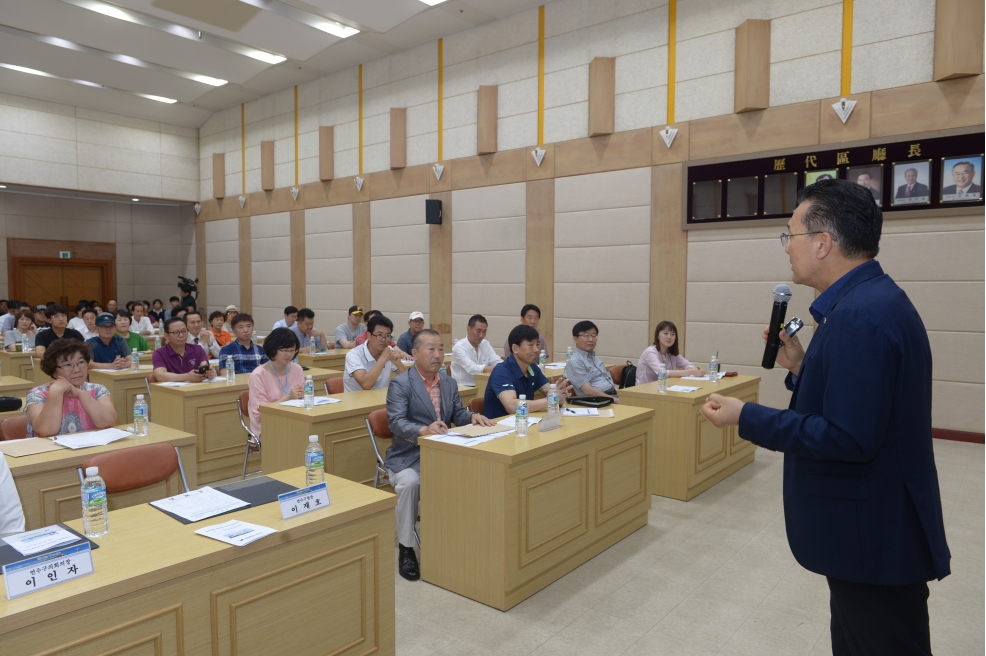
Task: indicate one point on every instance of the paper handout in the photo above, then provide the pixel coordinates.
(199, 504)
(91, 438)
(235, 532)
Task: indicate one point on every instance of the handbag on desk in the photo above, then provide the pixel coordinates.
(9, 403)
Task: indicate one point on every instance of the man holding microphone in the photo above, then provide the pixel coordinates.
(861, 498)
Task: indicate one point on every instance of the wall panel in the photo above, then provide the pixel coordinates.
(222, 262)
(271, 265)
(329, 264)
(399, 261)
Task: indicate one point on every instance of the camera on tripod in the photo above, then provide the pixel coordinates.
(188, 285)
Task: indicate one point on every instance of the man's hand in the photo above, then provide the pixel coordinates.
(564, 389)
(205, 337)
(317, 333)
(480, 420)
(790, 354)
(723, 410)
(120, 363)
(386, 354)
(395, 354)
(436, 428)
(194, 377)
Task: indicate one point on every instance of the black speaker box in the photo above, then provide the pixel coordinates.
(433, 211)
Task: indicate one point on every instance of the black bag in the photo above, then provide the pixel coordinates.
(9, 403)
(629, 376)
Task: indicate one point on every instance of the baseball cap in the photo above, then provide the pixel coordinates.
(105, 318)
(416, 315)
(232, 307)
(356, 310)
(41, 307)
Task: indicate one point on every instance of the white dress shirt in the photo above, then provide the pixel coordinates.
(212, 349)
(360, 359)
(86, 333)
(11, 514)
(76, 323)
(142, 325)
(468, 361)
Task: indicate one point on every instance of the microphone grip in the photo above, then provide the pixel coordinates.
(774, 335)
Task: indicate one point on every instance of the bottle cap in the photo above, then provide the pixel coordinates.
(313, 438)
(92, 471)
(522, 397)
(140, 397)
(553, 386)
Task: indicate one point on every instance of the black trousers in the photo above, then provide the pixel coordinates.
(878, 620)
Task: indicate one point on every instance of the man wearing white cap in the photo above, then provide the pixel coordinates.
(415, 324)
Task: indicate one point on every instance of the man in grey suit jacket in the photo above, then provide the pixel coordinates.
(421, 401)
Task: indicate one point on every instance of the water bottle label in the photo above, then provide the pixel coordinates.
(315, 460)
(93, 498)
(140, 413)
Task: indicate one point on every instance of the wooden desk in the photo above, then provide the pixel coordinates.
(22, 365)
(124, 386)
(48, 484)
(482, 379)
(689, 454)
(325, 360)
(341, 430)
(208, 410)
(504, 519)
(324, 583)
(11, 385)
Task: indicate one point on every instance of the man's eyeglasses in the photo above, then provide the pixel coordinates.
(589, 335)
(69, 366)
(383, 336)
(178, 333)
(786, 238)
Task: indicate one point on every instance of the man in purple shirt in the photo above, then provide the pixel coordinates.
(177, 360)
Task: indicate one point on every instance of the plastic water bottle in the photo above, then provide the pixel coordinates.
(157, 342)
(309, 393)
(553, 400)
(24, 344)
(520, 419)
(662, 378)
(230, 371)
(714, 369)
(314, 462)
(542, 359)
(135, 361)
(312, 347)
(95, 520)
(140, 415)
(568, 354)
(255, 337)
(444, 369)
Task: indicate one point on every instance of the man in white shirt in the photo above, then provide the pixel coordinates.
(290, 316)
(88, 329)
(370, 365)
(141, 322)
(9, 320)
(76, 322)
(196, 334)
(473, 355)
(11, 513)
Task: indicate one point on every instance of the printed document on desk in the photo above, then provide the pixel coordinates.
(319, 400)
(466, 440)
(235, 532)
(40, 539)
(199, 504)
(90, 438)
(512, 421)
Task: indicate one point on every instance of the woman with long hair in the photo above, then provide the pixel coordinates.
(664, 350)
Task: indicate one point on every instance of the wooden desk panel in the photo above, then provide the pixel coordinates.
(690, 455)
(22, 365)
(124, 386)
(324, 582)
(48, 483)
(505, 519)
(335, 359)
(341, 429)
(14, 386)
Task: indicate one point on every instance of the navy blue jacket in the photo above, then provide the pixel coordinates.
(861, 497)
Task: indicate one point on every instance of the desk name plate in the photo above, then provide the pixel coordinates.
(46, 570)
(307, 499)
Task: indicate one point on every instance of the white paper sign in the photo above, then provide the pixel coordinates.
(40, 539)
(49, 569)
(307, 499)
(235, 532)
(683, 388)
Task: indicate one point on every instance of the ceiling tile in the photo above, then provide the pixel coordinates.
(426, 26)
(279, 77)
(378, 15)
(224, 97)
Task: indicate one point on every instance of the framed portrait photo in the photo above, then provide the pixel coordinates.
(871, 177)
(912, 183)
(811, 177)
(962, 179)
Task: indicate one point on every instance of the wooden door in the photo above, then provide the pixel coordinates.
(82, 282)
(40, 280)
(41, 283)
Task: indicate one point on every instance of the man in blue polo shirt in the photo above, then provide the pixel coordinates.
(519, 374)
(247, 356)
(108, 350)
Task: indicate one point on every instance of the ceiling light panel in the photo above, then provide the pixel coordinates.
(32, 71)
(376, 15)
(335, 28)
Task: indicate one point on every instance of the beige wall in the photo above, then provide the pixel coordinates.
(399, 259)
(222, 263)
(270, 252)
(329, 264)
(488, 265)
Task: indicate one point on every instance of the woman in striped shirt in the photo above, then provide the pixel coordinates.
(664, 350)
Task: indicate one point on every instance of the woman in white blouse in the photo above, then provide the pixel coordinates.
(24, 327)
(664, 350)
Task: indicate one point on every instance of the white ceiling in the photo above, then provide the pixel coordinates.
(274, 26)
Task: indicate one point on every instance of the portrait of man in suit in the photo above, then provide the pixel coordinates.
(907, 179)
(867, 177)
(964, 175)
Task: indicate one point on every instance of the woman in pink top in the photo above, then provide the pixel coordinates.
(279, 379)
(664, 349)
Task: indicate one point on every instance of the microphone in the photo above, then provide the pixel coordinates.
(782, 294)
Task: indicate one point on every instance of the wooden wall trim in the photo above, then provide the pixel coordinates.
(751, 90)
(218, 175)
(246, 265)
(409, 181)
(602, 96)
(299, 275)
(440, 271)
(266, 166)
(200, 265)
(668, 249)
(740, 134)
(326, 152)
(361, 255)
(926, 107)
(398, 137)
(831, 129)
(620, 150)
(958, 39)
(540, 256)
(487, 115)
(958, 436)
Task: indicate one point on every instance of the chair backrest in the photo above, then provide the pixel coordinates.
(476, 405)
(378, 424)
(129, 469)
(151, 378)
(616, 371)
(14, 428)
(244, 401)
(335, 385)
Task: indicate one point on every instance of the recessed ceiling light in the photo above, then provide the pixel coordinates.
(335, 28)
(162, 99)
(3, 186)
(177, 30)
(432, 3)
(32, 71)
(135, 200)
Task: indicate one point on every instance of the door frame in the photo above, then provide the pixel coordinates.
(17, 279)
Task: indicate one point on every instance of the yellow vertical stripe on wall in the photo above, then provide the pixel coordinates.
(243, 148)
(361, 119)
(541, 74)
(296, 135)
(672, 53)
(441, 94)
(846, 85)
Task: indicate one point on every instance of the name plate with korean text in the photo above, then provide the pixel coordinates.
(307, 499)
(46, 570)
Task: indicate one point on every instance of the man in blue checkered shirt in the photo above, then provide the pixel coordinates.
(587, 373)
(247, 356)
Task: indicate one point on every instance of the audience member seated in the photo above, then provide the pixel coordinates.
(174, 301)
(370, 366)
(157, 311)
(473, 355)
(88, 329)
(12, 339)
(141, 323)
(420, 401)
(41, 317)
(415, 323)
(306, 332)
(247, 356)
(68, 403)
(279, 379)
(197, 334)
(58, 316)
(346, 333)
(108, 350)
(179, 313)
(231, 311)
(111, 306)
(177, 360)
(76, 322)
(223, 336)
(363, 336)
(664, 350)
(3, 306)
(587, 373)
(290, 316)
(135, 341)
(11, 513)
(530, 315)
(519, 374)
(9, 320)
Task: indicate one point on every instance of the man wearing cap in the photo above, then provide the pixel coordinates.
(415, 324)
(41, 317)
(108, 350)
(347, 333)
